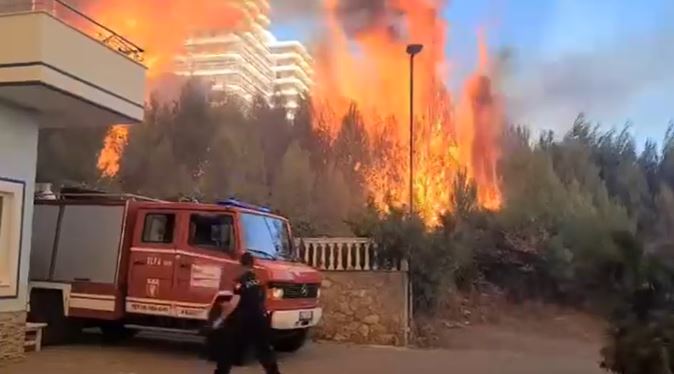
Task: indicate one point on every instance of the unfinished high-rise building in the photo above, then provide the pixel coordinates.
(236, 61)
(248, 61)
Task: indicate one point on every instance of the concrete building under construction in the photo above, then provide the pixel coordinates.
(293, 72)
(249, 62)
(234, 61)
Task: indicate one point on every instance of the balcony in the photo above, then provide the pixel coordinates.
(67, 68)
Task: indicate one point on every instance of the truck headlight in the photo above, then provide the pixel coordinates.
(277, 293)
(318, 293)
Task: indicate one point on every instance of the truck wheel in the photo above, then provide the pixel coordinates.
(115, 332)
(291, 342)
(46, 306)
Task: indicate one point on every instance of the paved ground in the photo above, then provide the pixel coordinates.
(143, 356)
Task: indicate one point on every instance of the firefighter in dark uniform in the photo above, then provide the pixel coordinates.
(244, 324)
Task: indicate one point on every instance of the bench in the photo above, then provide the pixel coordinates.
(34, 336)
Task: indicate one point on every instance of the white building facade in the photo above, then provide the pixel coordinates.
(234, 62)
(293, 72)
(45, 82)
(249, 62)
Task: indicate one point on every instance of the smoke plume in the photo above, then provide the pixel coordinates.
(602, 82)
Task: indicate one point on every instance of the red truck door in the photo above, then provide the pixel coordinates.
(151, 278)
(206, 263)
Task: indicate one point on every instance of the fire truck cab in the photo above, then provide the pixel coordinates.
(127, 263)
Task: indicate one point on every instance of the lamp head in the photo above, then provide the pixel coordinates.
(413, 49)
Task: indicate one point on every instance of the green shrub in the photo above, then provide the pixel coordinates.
(640, 347)
(641, 337)
(440, 258)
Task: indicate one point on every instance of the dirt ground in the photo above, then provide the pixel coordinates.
(479, 349)
(536, 329)
(477, 334)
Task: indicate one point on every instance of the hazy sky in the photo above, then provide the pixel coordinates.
(613, 59)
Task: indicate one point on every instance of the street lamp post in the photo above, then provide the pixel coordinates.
(412, 50)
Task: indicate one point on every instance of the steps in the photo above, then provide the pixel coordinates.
(33, 340)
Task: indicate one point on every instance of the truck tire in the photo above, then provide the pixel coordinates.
(291, 342)
(46, 306)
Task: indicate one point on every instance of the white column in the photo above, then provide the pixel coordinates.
(349, 266)
(366, 247)
(340, 265)
(324, 248)
(358, 250)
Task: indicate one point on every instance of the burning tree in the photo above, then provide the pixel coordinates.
(161, 27)
(360, 68)
(362, 61)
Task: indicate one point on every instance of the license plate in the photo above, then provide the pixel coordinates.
(306, 315)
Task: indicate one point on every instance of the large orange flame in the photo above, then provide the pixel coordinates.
(366, 66)
(369, 68)
(161, 28)
(113, 146)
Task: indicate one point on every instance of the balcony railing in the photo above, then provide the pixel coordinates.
(345, 254)
(72, 17)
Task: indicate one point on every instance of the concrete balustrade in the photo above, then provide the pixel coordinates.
(345, 254)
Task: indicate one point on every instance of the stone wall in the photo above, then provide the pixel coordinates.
(12, 335)
(364, 307)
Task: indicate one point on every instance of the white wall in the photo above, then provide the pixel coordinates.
(55, 54)
(18, 158)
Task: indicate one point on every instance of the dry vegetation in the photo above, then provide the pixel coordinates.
(585, 223)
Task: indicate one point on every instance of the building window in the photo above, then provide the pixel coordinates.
(11, 213)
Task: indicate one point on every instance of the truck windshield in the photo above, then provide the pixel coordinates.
(266, 237)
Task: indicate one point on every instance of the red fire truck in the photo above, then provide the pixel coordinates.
(127, 263)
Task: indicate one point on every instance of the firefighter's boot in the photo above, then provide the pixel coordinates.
(271, 368)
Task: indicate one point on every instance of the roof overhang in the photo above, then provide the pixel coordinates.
(65, 76)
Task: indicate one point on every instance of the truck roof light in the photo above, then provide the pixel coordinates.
(240, 204)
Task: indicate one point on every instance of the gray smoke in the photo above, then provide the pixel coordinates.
(295, 10)
(355, 15)
(360, 15)
(367, 11)
(602, 82)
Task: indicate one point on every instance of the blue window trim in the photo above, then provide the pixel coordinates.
(23, 212)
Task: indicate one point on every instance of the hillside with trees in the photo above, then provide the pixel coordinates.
(587, 219)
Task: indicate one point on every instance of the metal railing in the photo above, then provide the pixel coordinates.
(108, 196)
(345, 254)
(74, 18)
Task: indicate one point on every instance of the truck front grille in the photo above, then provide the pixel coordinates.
(299, 290)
